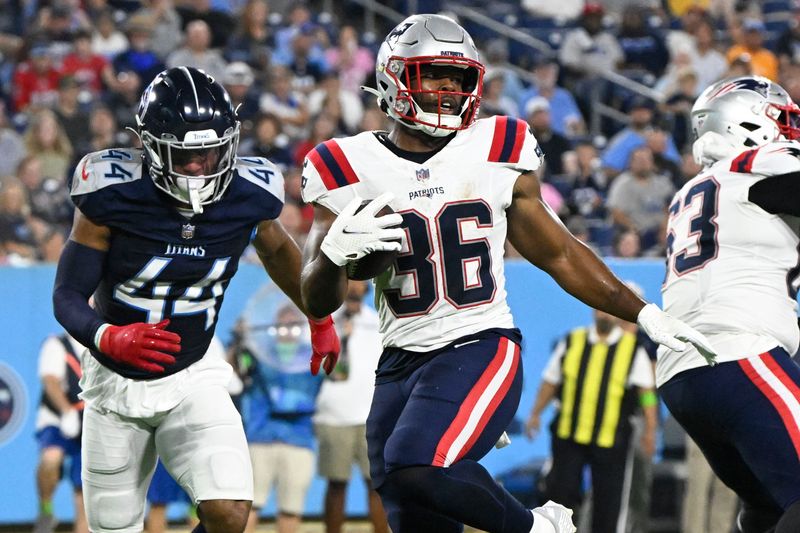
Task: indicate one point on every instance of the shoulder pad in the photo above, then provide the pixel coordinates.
(263, 173)
(98, 170)
(769, 160)
(325, 169)
(512, 144)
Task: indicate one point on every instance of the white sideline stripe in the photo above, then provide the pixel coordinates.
(776, 385)
(481, 405)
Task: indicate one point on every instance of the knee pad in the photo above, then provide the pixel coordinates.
(221, 473)
(115, 512)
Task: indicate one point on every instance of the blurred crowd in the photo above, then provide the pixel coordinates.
(72, 71)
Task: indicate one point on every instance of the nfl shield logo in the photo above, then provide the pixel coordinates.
(423, 174)
(187, 231)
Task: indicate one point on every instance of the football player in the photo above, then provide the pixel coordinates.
(450, 377)
(732, 272)
(156, 238)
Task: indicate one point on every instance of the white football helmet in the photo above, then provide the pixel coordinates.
(748, 112)
(418, 41)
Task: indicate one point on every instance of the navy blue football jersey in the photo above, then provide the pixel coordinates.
(162, 264)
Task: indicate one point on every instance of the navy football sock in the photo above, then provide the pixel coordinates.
(464, 492)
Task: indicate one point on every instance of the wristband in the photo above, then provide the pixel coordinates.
(648, 399)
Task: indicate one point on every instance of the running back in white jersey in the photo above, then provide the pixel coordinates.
(448, 281)
(732, 267)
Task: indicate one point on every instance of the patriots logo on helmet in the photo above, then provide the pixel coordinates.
(395, 34)
(760, 87)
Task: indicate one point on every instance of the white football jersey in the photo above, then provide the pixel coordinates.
(731, 266)
(448, 280)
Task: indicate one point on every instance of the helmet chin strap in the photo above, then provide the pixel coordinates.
(194, 187)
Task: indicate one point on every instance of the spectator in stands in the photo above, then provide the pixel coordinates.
(107, 40)
(139, 58)
(238, 80)
(343, 106)
(252, 41)
(678, 105)
(641, 113)
(71, 114)
(586, 184)
(684, 38)
(165, 22)
(764, 63)
(104, 131)
(58, 429)
(36, 79)
(46, 140)
(268, 140)
(340, 422)
(56, 23)
(91, 71)
(19, 232)
(124, 101)
(644, 50)
(626, 244)
(47, 198)
(638, 198)
(740, 66)
(278, 407)
(285, 103)
(217, 16)
(566, 117)
(494, 101)
(657, 139)
(323, 127)
(353, 62)
(11, 144)
(562, 10)
(787, 46)
(196, 52)
(708, 62)
(299, 15)
(306, 63)
(589, 50)
(497, 59)
(554, 146)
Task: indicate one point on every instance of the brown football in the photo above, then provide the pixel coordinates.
(372, 264)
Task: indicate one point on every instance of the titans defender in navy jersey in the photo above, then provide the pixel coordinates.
(449, 380)
(156, 239)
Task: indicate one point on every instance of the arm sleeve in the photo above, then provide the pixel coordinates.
(642, 371)
(80, 270)
(552, 372)
(778, 194)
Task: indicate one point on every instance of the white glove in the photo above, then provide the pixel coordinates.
(558, 519)
(354, 235)
(70, 424)
(672, 333)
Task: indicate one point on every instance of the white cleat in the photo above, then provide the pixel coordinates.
(552, 517)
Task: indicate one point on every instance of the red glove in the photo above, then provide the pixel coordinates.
(324, 345)
(141, 345)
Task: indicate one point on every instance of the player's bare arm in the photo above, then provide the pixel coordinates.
(321, 277)
(537, 234)
(281, 258)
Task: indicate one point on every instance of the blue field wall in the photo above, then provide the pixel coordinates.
(542, 311)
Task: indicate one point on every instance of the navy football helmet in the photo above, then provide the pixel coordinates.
(190, 134)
